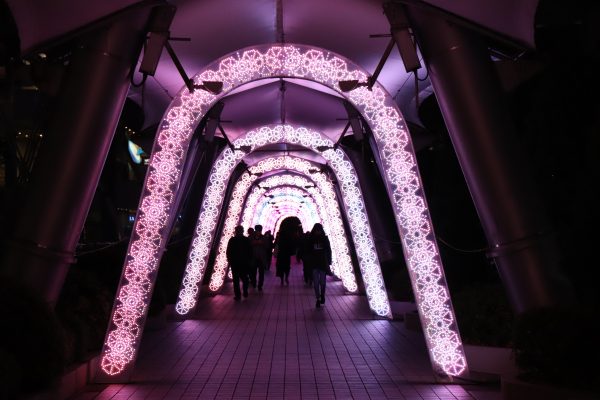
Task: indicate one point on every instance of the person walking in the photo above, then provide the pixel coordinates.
(303, 255)
(319, 254)
(286, 248)
(239, 255)
(268, 249)
(259, 251)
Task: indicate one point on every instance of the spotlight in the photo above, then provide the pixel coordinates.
(347, 86)
(213, 87)
(324, 148)
(245, 149)
(160, 22)
(400, 29)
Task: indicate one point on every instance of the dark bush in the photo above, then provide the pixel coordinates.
(558, 345)
(484, 315)
(84, 310)
(32, 343)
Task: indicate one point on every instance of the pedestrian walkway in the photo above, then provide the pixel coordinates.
(276, 345)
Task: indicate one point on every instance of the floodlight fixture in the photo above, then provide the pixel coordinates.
(325, 148)
(244, 149)
(213, 87)
(401, 35)
(347, 86)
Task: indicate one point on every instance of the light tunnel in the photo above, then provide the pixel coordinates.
(282, 197)
(399, 172)
(264, 213)
(322, 191)
(285, 200)
(351, 199)
(323, 194)
(341, 264)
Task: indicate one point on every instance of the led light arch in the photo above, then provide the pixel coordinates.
(287, 199)
(341, 261)
(342, 264)
(265, 209)
(351, 198)
(282, 196)
(265, 213)
(399, 172)
(325, 192)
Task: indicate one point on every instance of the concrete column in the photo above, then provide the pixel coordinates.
(484, 138)
(73, 153)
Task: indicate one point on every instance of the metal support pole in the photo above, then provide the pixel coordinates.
(380, 212)
(484, 139)
(71, 159)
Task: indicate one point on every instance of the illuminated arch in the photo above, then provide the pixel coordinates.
(400, 175)
(287, 200)
(321, 189)
(322, 192)
(342, 263)
(284, 197)
(218, 179)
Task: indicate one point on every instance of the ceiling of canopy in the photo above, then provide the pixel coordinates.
(213, 28)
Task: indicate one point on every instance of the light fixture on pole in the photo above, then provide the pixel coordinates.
(347, 86)
(354, 121)
(213, 87)
(325, 148)
(244, 149)
(400, 29)
(212, 122)
(159, 37)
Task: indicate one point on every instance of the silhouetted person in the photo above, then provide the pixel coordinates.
(239, 255)
(269, 249)
(319, 254)
(259, 250)
(286, 248)
(304, 256)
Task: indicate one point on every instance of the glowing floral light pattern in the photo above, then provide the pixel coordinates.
(325, 192)
(267, 208)
(276, 199)
(341, 261)
(265, 213)
(339, 250)
(351, 196)
(283, 197)
(399, 172)
(344, 271)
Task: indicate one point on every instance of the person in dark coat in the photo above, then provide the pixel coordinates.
(286, 248)
(259, 260)
(319, 254)
(239, 256)
(269, 249)
(303, 255)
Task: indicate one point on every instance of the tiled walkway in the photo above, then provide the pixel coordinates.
(277, 345)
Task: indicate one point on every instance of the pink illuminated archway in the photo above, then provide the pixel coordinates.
(400, 175)
(330, 217)
(352, 201)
